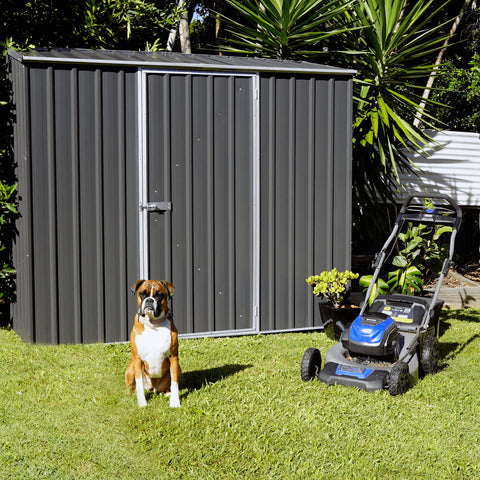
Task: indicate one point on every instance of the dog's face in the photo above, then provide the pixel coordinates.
(152, 297)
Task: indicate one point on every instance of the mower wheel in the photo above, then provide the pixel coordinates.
(311, 364)
(398, 379)
(429, 356)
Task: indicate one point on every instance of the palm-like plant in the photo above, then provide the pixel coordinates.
(391, 44)
(286, 29)
(392, 52)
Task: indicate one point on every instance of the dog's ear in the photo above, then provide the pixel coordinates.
(170, 288)
(136, 286)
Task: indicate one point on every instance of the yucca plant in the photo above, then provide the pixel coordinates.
(391, 44)
(284, 29)
(392, 51)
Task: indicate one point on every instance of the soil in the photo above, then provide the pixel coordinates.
(462, 276)
(470, 271)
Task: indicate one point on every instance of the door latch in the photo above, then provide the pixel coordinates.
(156, 206)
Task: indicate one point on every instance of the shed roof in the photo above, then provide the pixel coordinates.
(173, 60)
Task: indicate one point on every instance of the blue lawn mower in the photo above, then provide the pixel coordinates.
(394, 342)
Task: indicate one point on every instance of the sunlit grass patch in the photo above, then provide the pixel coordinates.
(65, 414)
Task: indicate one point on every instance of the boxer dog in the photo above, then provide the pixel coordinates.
(154, 343)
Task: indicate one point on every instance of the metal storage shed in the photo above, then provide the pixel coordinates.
(229, 176)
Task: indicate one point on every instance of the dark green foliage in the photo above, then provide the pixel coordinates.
(421, 247)
(458, 93)
(120, 24)
(8, 204)
(393, 52)
(291, 29)
(124, 24)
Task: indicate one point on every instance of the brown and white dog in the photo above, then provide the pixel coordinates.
(154, 343)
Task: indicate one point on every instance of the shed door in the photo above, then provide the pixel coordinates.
(200, 159)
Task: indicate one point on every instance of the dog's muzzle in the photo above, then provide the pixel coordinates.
(151, 308)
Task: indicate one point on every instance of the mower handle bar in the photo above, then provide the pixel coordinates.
(446, 265)
(440, 196)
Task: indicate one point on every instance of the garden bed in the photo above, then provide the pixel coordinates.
(460, 290)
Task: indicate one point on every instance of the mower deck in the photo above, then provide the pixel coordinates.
(366, 373)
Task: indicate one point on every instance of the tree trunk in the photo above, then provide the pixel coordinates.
(171, 39)
(438, 61)
(219, 24)
(184, 29)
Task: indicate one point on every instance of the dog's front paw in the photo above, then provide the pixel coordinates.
(142, 401)
(174, 395)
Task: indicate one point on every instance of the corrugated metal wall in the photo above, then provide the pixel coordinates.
(451, 166)
(76, 128)
(305, 132)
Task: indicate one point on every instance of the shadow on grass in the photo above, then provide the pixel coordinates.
(463, 315)
(450, 350)
(466, 315)
(198, 379)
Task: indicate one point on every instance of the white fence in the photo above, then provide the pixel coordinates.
(450, 166)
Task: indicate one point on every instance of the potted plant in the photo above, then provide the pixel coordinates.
(333, 289)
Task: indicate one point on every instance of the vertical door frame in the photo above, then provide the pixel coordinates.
(142, 174)
(143, 253)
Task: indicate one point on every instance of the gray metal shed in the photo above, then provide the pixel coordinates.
(229, 176)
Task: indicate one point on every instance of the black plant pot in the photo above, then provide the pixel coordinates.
(333, 318)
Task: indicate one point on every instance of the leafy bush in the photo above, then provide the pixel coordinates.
(458, 95)
(8, 205)
(419, 260)
(422, 249)
(8, 211)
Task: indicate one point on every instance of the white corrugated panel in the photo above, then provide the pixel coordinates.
(451, 166)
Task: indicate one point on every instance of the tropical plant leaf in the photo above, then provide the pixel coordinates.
(441, 231)
(400, 261)
(379, 288)
(405, 281)
(396, 45)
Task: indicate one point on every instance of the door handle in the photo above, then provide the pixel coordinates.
(157, 206)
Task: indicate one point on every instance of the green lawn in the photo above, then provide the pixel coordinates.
(246, 414)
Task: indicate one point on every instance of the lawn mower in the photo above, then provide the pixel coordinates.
(393, 341)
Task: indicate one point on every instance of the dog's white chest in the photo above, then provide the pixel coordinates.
(153, 346)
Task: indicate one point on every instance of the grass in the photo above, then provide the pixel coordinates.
(65, 414)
